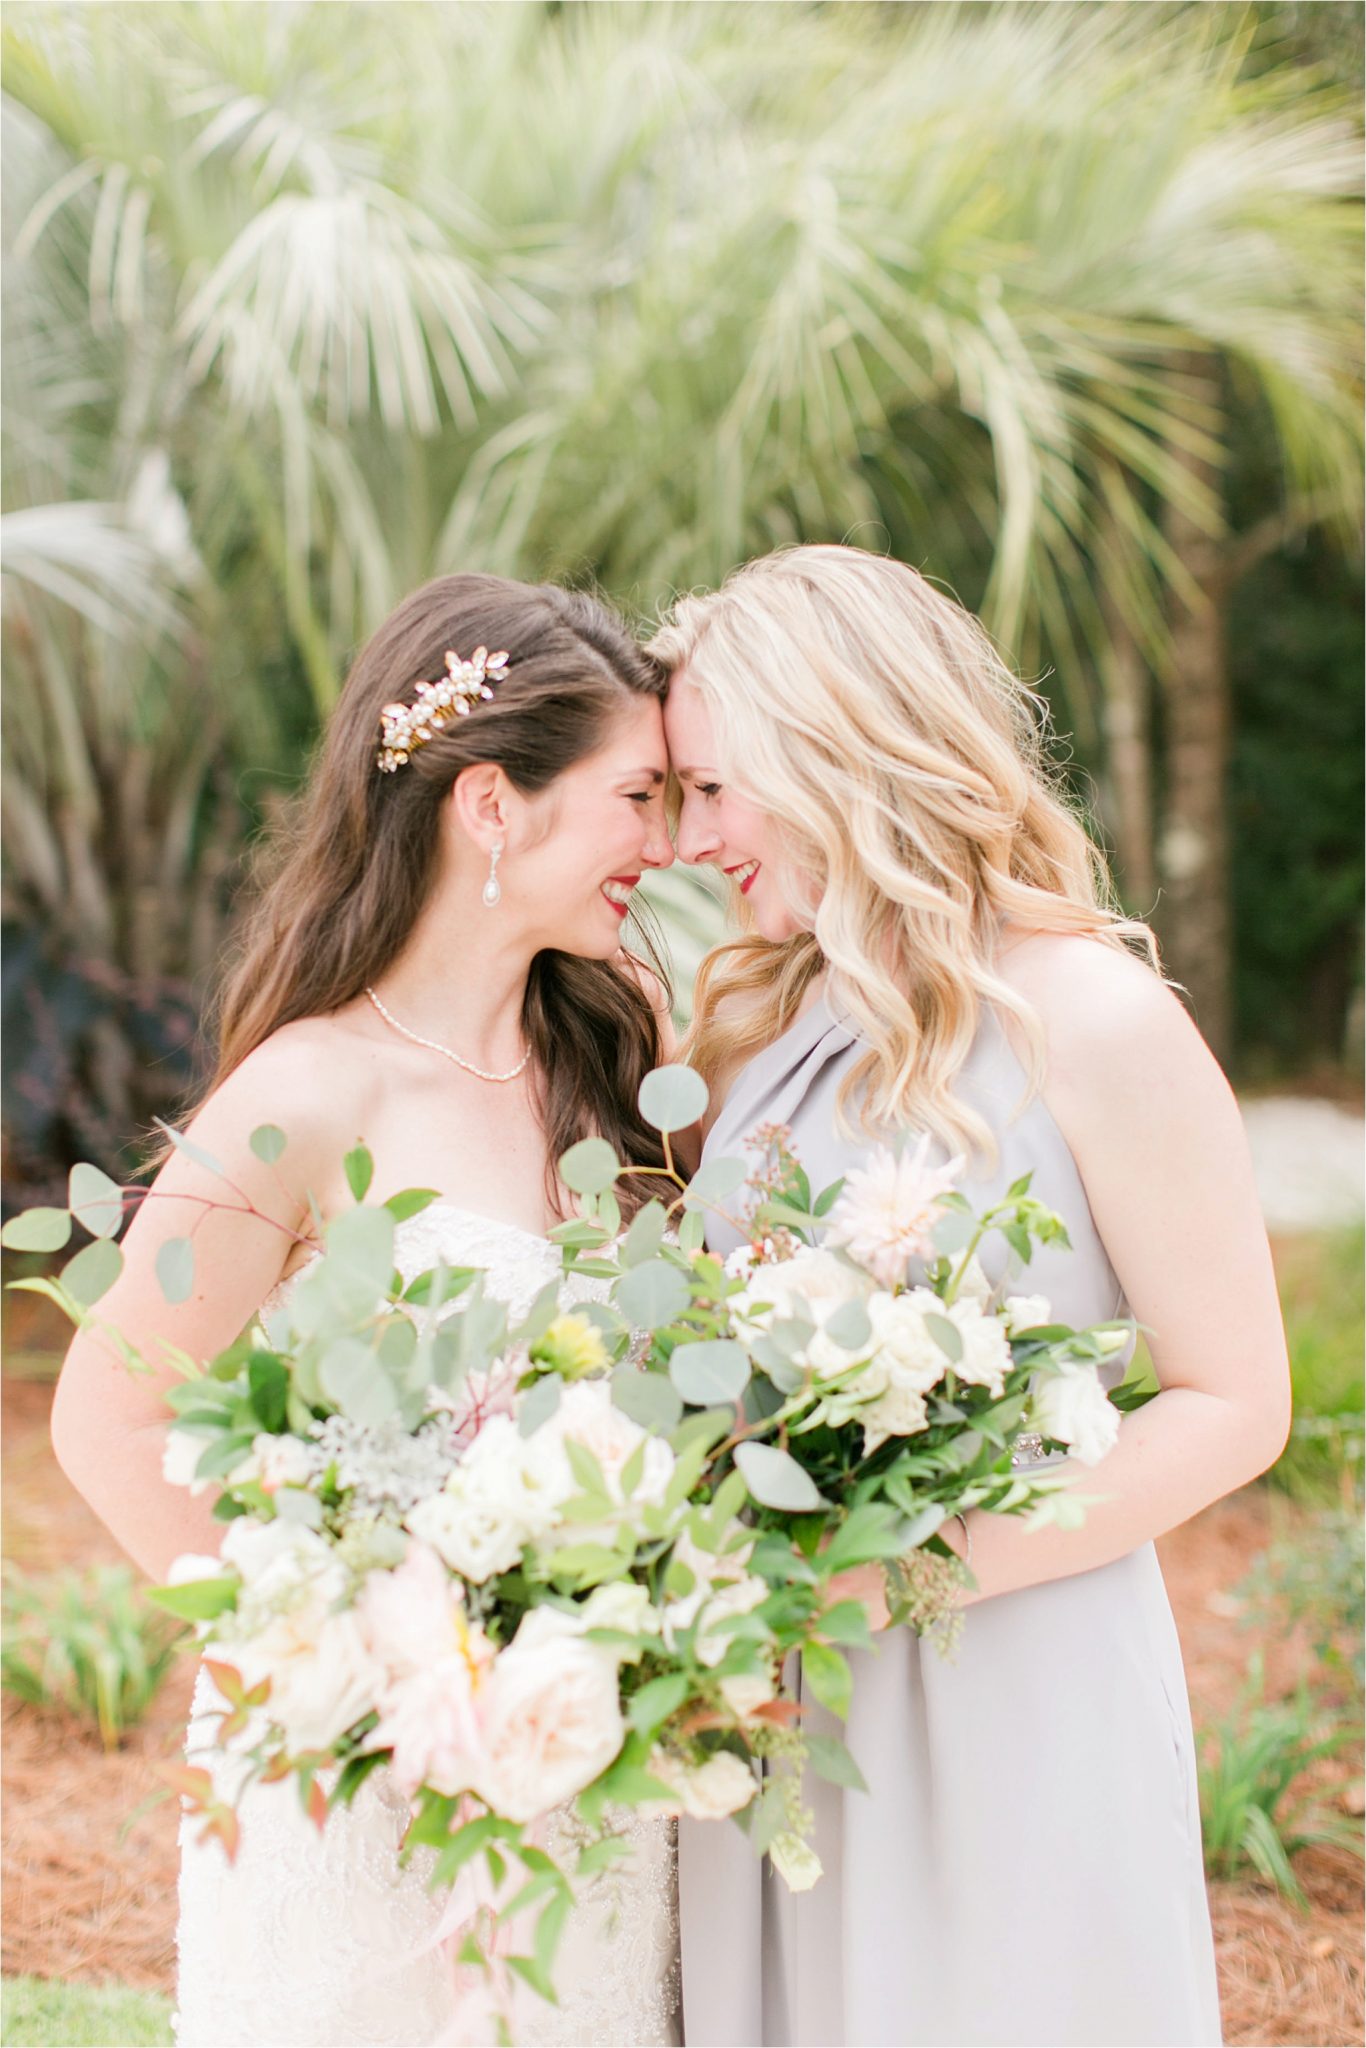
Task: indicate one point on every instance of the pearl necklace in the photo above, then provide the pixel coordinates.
(444, 1050)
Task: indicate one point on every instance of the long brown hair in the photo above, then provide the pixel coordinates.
(355, 868)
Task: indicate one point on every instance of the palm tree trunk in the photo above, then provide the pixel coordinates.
(1194, 914)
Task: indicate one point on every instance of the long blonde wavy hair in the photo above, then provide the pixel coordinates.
(906, 767)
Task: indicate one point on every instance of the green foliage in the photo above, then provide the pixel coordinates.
(1254, 1815)
(1323, 1295)
(47, 2013)
(87, 1642)
(1316, 1580)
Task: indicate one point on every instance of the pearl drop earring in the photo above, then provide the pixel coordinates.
(493, 895)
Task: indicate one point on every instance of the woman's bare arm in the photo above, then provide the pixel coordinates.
(108, 1423)
(1159, 1142)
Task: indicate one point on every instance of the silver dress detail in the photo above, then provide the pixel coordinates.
(1026, 1865)
(324, 1938)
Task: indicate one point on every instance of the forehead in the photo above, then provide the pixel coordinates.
(688, 724)
(634, 739)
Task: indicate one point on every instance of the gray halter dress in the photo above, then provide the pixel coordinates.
(1025, 1866)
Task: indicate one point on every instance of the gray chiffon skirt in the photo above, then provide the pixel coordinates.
(1025, 1867)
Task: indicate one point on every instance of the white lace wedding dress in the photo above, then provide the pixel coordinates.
(324, 1939)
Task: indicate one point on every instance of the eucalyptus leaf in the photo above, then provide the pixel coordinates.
(541, 1314)
(539, 1403)
(648, 1398)
(653, 1294)
(714, 1181)
(952, 1231)
(710, 1372)
(776, 1480)
(946, 1335)
(645, 1235)
(96, 1201)
(37, 1230)
(410, 1202)
(672, 1097)
(359, 1168)
(175, 1269)
(360, 1259)
(590, 1167)
(353, 1379)
(830, 1759)
(92, 1272)
(268, 1142)
(850, 1326)
(190, 1149)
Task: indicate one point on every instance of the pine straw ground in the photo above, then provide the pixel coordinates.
(89, 1866)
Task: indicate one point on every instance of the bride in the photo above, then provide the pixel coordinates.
(437, 968)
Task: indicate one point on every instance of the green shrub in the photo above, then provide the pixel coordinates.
(1250, 1813)
(88, 1642)
(1323, 1294)
(1317, 1578)
(39, 2013)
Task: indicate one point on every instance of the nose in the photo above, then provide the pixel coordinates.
(698, 840)
(658, 851)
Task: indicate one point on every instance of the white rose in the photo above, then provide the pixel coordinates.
(810, 1285)
(180, 1453)
(746, 1693)
(587, 1415)
(272, 1462)
(551, 1715)
(898, 1411)
(709, 1791)
(192, 1567)
(1072, 1406)
(322, 1677)
(505, 1492)
(709, 1570)
(1027, 1311)
(986, 1348)
(278, 1552)
(906, 1351)
(741, 1597)
(469, 1533)
(621, 1605)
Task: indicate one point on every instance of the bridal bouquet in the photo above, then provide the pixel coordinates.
(488, 1552)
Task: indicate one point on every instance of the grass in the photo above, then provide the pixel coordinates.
(39, 2010)
(88, 1642)
(1254, 1813)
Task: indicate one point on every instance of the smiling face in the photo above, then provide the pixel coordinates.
(717, 826)
(576, 852)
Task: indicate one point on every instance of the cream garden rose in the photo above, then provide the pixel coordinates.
(551, 1715)
(709, 1791)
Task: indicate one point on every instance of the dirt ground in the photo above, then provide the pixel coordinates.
(89, 1866)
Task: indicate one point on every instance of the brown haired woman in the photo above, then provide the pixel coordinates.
(437, 968)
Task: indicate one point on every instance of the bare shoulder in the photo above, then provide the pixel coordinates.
(313, 1079)
(1114, 1029)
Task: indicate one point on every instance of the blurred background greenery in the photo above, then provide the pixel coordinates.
(306, 304)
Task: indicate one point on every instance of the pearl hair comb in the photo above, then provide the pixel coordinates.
(406, 727)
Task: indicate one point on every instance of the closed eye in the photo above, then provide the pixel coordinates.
(707, 788)
(643, 796)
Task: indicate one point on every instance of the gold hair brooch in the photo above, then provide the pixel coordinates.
(406, 727)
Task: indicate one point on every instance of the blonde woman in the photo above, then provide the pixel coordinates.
(931, 947)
